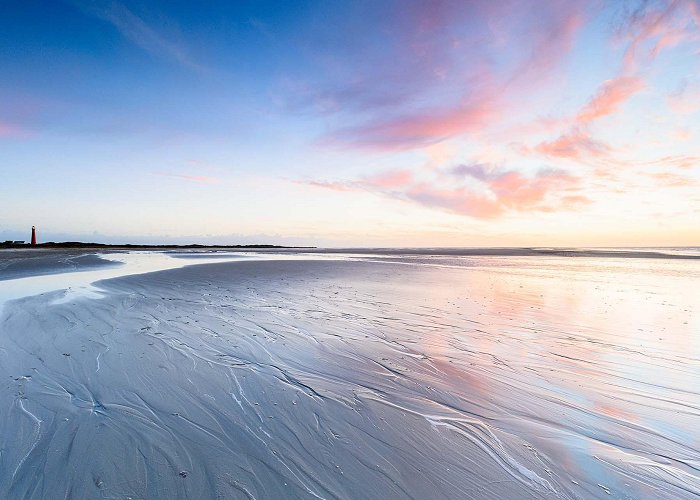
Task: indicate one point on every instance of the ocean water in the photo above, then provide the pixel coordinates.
(380, 374)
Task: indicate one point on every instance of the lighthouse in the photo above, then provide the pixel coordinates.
(33, 235)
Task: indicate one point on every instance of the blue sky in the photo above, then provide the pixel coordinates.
(351, 123)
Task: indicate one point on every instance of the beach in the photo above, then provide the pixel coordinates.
(382, 374)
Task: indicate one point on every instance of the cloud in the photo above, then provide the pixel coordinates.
(685, 100)
(503, 191)
(655, 26)
(480, 171)
(138, 32)
(682, 134)
(483, 102)
(574, 200)
(647, 30)
(669, 179)
(389, 180)
(611, 95)
(496, 192)
(576, 144)
(421, 129)
(393, 179)
(513, 190)
(427, 72)
(552, 33)
(333, 185)
(462, 201)
(683, 162)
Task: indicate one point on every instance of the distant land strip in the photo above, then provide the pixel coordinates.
(131, 246)
(691, 253)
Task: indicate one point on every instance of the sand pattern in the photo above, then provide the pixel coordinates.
(358, 379)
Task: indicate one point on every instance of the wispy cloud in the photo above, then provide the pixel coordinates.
(389, 180)
(655, 26)
(611, 95)
(139, 32)
(576, 144)
(496, 191)
(440, 82)
(647, 30)
(460, 200)
(552, 37)
(673, 180)
(421, 129)
(442, 73)
(683, 162)
(480, 171)
(332, 185)
(686, 99)
(393, 179)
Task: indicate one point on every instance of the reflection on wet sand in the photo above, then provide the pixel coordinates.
(365, 378)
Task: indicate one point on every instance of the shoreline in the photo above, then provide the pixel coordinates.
(691, 253)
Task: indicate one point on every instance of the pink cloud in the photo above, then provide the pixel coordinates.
(391, 180)
(577, 144)
(461, 201)
(657, 26)
(648, 31)
(574, 200)
(516, 191)
(503, 191)
(422, 129)
(441, 81)
(669, 179)
(682, 134)
(497, 191)
(553, 36)
(679, 161)
(609, 98)
(686, 100)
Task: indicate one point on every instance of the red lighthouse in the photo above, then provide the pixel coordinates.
(33, 235)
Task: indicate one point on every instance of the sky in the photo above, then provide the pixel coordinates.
(358, 123)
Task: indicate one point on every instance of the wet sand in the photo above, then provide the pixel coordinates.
(34, 262)
(517, 377)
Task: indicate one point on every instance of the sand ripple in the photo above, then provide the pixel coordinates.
(322, 379)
